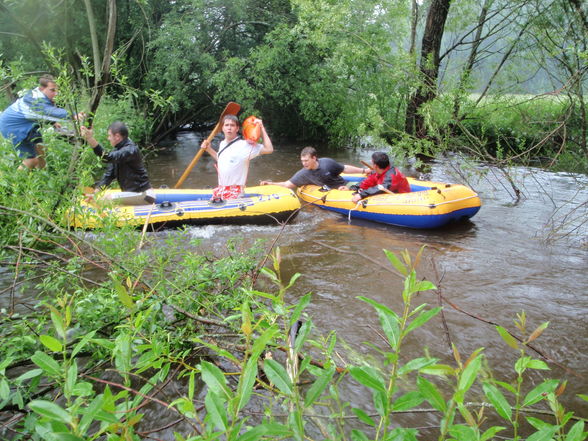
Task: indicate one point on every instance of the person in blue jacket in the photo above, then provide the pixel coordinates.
(20, 122)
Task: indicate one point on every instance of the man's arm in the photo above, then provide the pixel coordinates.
(286, 184)
(208, 148)
(353, 169)
(268, 147)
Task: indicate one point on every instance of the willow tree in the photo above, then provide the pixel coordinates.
(429, 66)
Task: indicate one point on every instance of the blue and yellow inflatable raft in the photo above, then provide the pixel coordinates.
(259, 205)
(428, 205)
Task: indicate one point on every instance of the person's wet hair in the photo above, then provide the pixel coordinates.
(309, 151)
(120, 128)
(381, 159)
(232, 118)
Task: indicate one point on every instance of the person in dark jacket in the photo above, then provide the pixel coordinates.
(384, 175)
(125, 164)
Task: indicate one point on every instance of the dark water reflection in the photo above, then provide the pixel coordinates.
(493, 267)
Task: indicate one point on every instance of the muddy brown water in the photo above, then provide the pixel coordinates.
(500, 263)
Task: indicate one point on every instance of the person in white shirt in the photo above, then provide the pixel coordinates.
(233, 158)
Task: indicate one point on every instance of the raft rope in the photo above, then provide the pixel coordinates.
(360, 202)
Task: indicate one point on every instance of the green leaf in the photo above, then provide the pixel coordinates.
(440, 370)
(265, 429)
(83, 342)
(219, 351)
(265, 295)
(215, 379)
(64, 436)
(83, 389)
(540, 392)
(395, 261)
(402, 434)
(430, 392)
(408, 401)
(4, 389)
(57, 321)
(50, 411)
(216, 410)
(246, 319)
(380, 307)
(364, 417)
(293, 280)
(388, 320)
(51, 343)
(507, 337)
(489, 434)
(302, 335)
(70, 379)
(576, 433)
(317, 388)
(423, 285)
(122, 353)
(262, 341)
(277, 375)
(463, 433)
(123, 294)
(358, 435)
(381, 403)
(538, 364)
(507, 386)
(302, 303)
(498, 400)
(246, 383)
(545, 434)
(369, 377)
(423, 318)
(47, 363)
(416, 364)
(469, 374)
(33, 373)
(90, 413)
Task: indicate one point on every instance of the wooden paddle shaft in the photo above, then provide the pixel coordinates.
(367, 165)
(231, 109)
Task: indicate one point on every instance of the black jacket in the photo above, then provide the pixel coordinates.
(125, 164)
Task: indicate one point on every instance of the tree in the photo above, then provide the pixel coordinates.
(429, 66)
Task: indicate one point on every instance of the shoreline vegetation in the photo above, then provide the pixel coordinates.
(110, 327)
(97, 326)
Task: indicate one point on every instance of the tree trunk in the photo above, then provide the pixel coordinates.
(105, 68)
(413, 26)
(93, 38)
(429, 67)
(465, 75)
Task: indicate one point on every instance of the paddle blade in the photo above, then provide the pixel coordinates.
(231, 109)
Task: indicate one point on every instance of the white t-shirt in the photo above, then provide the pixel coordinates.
(233, 163)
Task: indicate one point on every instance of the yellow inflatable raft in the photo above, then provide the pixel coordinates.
(259, 205)
(428, 205)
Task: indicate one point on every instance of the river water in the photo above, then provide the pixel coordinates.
(529, 256)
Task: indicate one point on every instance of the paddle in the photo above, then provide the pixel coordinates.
(231, 109)
(367, 165)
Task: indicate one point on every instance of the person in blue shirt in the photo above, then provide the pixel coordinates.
(20, 122)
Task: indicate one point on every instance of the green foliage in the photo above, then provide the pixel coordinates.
(154, 310)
